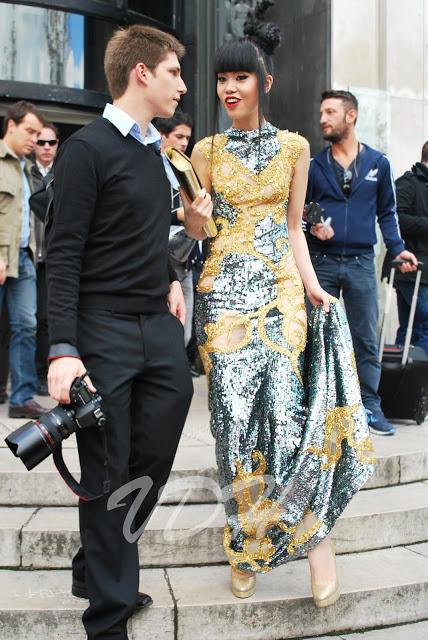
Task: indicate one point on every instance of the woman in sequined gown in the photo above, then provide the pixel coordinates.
(282, 495)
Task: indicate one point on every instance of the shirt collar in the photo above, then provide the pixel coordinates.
(152, 136)
(43, 170)
(125, 124)
(11, 153)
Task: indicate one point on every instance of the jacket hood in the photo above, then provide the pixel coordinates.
(322, 156)
(421, 170)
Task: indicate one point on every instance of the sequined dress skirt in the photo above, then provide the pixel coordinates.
(292, 442)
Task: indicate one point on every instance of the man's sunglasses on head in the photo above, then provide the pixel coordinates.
(51, 143)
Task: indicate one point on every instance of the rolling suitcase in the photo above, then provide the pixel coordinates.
(403, 385)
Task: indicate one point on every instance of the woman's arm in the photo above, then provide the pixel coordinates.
(192, 223)
(202, 167)
(297, 239)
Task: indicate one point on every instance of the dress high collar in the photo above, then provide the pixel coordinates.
(266, 131)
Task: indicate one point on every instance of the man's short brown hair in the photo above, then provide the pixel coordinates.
(424, 157)
(138, 43)
(18, 111)
(348, 99)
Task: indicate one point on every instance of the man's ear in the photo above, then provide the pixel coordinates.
(351, 116)
(268, 84)
(11, 126)
(141, 73)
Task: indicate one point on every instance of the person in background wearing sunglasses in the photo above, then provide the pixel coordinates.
(44, 156)
(21, 128)
(354, 185)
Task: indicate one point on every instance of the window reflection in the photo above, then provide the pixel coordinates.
(41, 45)
(162, 11)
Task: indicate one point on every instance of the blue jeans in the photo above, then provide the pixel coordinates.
(355, 278)
(420, 326)
(19, 295)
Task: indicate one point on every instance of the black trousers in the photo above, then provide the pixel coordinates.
(42, 339)
(139, 366)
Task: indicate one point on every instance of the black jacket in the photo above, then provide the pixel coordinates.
(412, 209)
(39, 226)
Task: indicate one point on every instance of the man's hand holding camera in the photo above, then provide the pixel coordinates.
(62, 373)
(322, 231)
(319, 225)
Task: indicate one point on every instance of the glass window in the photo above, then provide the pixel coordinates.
(162, 11)
(41, 45)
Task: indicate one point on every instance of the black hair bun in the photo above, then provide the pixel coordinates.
(267, 35)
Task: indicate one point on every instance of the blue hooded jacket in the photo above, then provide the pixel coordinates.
(353, 218)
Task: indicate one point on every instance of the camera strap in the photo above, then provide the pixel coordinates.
(71, 482)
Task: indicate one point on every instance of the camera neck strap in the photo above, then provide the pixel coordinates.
(71, 482)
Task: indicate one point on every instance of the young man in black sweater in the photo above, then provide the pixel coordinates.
(117, 310)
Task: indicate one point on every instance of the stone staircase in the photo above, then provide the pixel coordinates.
(381, 541)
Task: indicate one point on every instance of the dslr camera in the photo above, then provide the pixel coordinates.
(313, 213)
(35, 441)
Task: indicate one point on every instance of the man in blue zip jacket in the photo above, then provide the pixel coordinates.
(354, 185)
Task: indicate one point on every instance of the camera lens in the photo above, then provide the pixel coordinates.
(35, 441)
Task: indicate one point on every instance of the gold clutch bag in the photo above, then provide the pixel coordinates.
(189, 181)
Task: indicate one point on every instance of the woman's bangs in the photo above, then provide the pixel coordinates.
(236, 56)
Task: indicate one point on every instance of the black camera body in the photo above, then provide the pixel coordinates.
(35, 441)
(313, 213)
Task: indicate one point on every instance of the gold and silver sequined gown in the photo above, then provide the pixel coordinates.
(292, 442)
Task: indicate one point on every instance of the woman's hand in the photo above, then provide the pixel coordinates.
(317, 296)
(196, 213)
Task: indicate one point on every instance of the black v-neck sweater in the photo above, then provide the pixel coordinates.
(108, 245)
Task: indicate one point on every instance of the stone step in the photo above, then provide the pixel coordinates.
(379, 588)
(39, 604)
(401, 459)
(416, 631)
(193, 478)
(192, 534)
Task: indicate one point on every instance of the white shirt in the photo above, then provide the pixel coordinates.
(44, 170)
(128, 125)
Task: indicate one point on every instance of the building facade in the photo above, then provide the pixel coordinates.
(380, 51)
(52, 53)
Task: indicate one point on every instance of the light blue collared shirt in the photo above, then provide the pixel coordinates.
(26, 193)
(126, 124)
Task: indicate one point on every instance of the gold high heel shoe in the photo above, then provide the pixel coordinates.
(243, 584)
(327, 593)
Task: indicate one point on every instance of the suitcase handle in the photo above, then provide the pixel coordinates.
(398, 263)
(406, 348)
